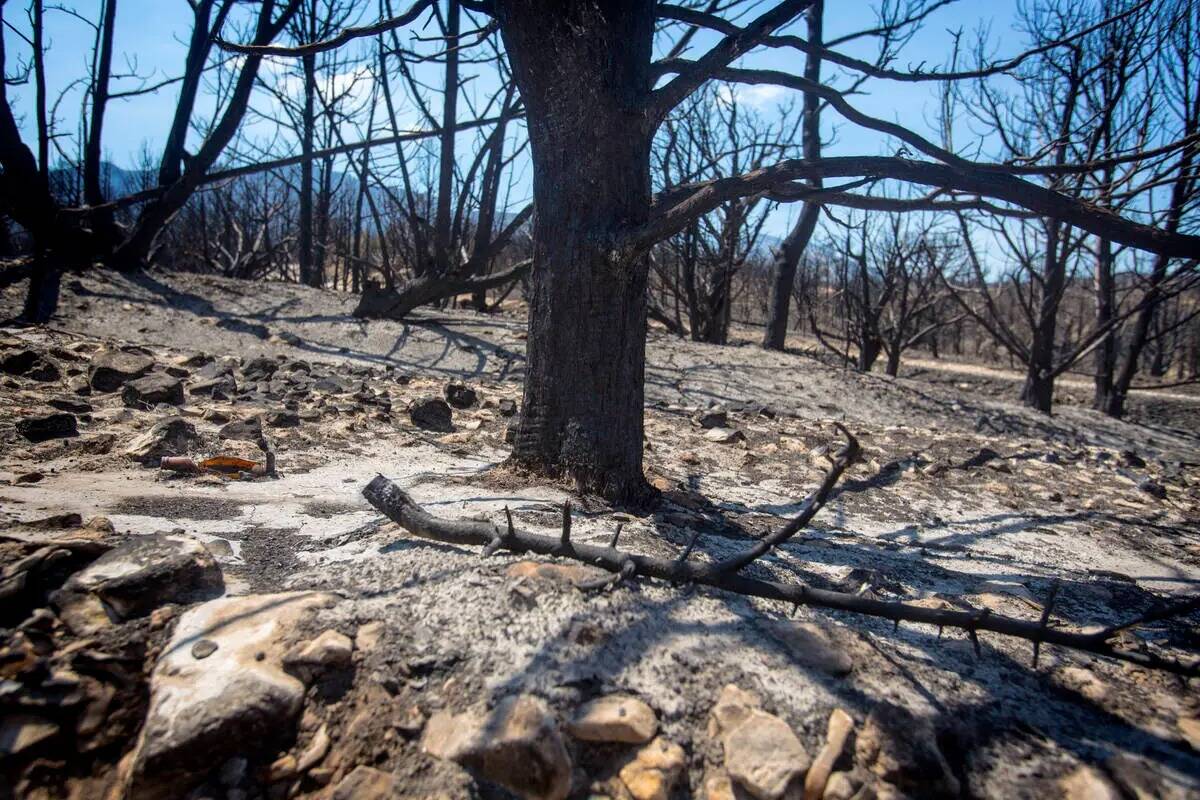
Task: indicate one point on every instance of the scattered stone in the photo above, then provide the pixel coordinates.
(724, 435)
(517, 746)
(49, 426)
(20, 732)
(203, 648)
(716, 418)
(840, 726)
(460, 395)
(316, 750)
(112, 369)
(732, 708)
(222, 388)
(901, 748)
(235, 703)
(654, 770)
(410, 721)
(1153, 488)
(30, 477)
(1088, 783)
(328, 652)
(811, 645)
(506, 407)
(283, 419)
(246, 430)
(134, 578)
(30, 364)
(840, 786)
(764, 756)
(367, 783)
(431, 414)
(70, 404)
(281, 769)
(171, 437)
(259, 369)
(149, 391)
(614, 719)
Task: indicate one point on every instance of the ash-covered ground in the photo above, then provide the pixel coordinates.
(227, 634)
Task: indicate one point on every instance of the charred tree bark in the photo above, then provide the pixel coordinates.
(583, 69)
(788, 256)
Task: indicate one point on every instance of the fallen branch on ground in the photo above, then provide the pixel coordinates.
(394, 503)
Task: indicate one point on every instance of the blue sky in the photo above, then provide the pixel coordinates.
(151, 34)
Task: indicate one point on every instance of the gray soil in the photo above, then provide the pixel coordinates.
(1061, 498)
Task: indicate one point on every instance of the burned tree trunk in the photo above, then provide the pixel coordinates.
(583, 71)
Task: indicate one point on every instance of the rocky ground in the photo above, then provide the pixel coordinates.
(241, 624)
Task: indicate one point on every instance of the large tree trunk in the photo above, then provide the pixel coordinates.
(583, 70)
(308, 123)
(1038, 391)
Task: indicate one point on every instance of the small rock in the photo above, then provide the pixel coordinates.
(203, 648)
(460, 395)
(732, 708)
(149, 391)
(30, 364)
(134, 578)
(614, 719)
(764, 756)
(48, 426)
(840, 786)
(70, 404)
(173, 436)
(811, 645)
(30, 477)
(431, 414)
(222, 388)
(517, 746)
(112, 369)
(281, 769)
(246, 430)
(1153, 488)
(901, 748)
(577, 575)
(19, 732)
(283, 419)
(840, 726)
(316, 750)
(367, 783)
(259, 369)
(1088, 783)
(724, 435)
(328, 652)
(712, 419)
(654, 770)
(506, 407)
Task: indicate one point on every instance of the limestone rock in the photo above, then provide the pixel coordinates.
(367, 783)
(810, 645)
(112, 369)
(246, 430)
(517, 746)
(259, 369)
(1088, 783)
(173, 436)
(614, 719)
(653, 771)
(236, 701)
(44, 427)
(840, 786)
(764, 756)
(901, 748)
(840, 726)
(732, 708)
(507, 408)
(152, 389)
(136, 577)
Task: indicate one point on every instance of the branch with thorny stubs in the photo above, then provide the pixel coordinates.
(394, 503)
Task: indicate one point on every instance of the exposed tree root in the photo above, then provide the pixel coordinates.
(394, 503)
